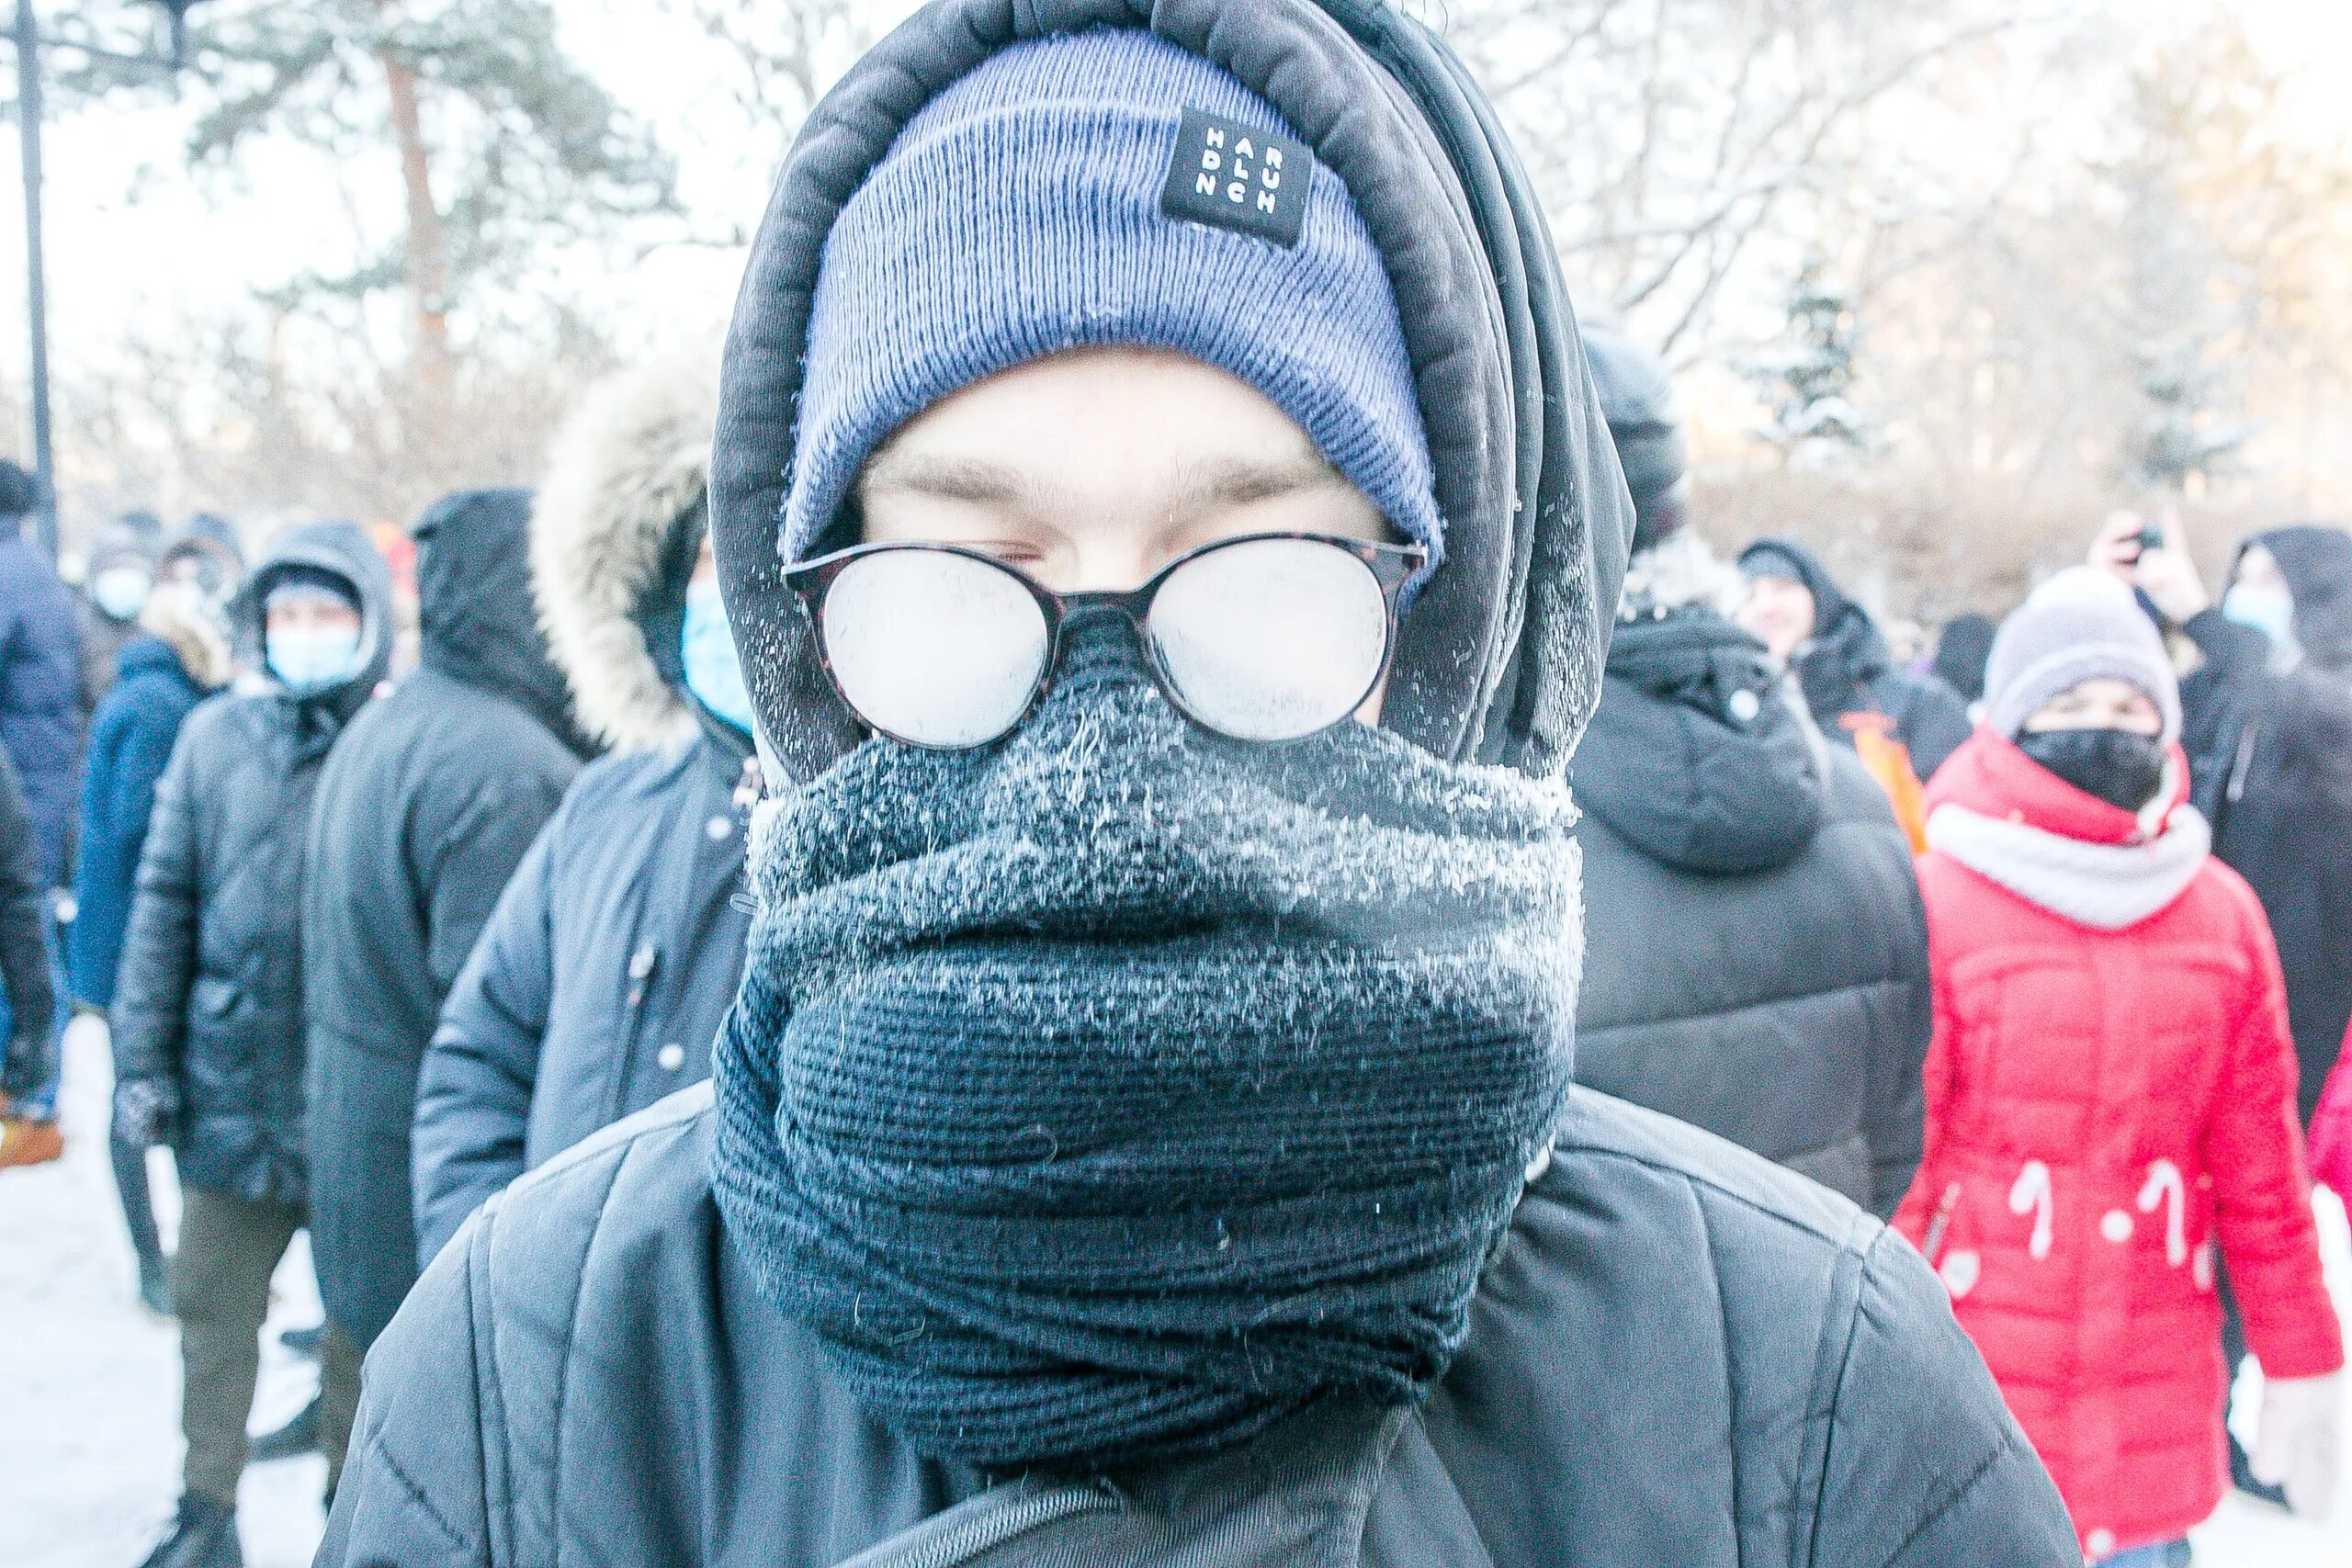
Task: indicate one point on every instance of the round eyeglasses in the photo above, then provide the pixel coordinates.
(1267, 638)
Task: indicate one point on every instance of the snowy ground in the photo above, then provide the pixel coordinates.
(89, 1453)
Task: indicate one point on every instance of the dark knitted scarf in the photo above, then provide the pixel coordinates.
(1118, 1090)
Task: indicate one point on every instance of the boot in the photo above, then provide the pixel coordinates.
(300, 1436)
(155, 1286)
(203, 1536)
(24, 1141)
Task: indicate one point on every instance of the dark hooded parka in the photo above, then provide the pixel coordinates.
(208, 1005)
(609, 963)
(1755, 952)
(1680, 1354)
(2268, 733)
(423, 812)
(25, 1066)
(1849, 674)
(40, 677)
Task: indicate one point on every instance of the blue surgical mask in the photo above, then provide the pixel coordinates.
(311, 660)
(714, 672)
(2268, 611)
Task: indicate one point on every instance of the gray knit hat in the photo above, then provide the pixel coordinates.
(2080, 625)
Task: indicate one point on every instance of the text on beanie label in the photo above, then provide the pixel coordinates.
(1233, 176)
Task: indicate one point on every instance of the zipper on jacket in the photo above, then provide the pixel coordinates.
(994, 1518)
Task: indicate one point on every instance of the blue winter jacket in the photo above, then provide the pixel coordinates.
(131, 739)
(599, 983)
(41, 691)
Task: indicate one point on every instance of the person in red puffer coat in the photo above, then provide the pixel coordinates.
(2110, 1092)
(2332, 1127)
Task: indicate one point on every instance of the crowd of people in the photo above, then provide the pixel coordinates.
(1061, 1049)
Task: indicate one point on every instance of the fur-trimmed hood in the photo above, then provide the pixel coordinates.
(629, 468)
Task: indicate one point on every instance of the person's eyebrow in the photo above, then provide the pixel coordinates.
(972, 479)
(1218, 483)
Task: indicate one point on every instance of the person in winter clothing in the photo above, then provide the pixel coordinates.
(1961, 649)
(423, 812)
(1901, 724)
(2267, 724)
(116, 577)
(24, 1066)
(40, 728)
(2110, 1093)
(1756, 958)
(1156, 1182)
(208, 1009)
(206, 556)
(180, 656)
(601, 978)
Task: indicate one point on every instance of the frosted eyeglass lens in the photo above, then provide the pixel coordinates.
(935, 648)
(1272, 640)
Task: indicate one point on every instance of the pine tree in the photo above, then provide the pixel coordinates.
(1806, 381)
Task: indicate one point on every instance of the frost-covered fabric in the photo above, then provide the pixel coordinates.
(1118, 1090)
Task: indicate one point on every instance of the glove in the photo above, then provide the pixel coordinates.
(2298, 1448)
(145, 1112)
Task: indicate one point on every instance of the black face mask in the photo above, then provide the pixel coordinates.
(2119, 767)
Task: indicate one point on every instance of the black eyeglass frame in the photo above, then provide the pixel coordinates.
(1392, 567)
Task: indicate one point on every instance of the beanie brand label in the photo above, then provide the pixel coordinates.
(1235, 176)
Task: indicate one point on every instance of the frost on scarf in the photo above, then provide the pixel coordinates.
(1116, 1091)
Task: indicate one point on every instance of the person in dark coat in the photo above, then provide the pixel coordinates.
(208, 1009)
(2266, 721)
(1756, 952)
(1849, 677)
(601, 978)
(180, 656)
(41, 718)
(24, 1066)
(116, 575)
(1182, 1163)
(1961, 649)
(423, 812)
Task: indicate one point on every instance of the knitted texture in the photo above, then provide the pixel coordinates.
(2082, 625)
(1017, 216)
(1115, 1092)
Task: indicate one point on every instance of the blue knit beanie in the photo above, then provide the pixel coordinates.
(1028, 209)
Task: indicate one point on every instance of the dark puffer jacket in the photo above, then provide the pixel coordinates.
(27, 999)
(1627, 1399)
(1849, 674)
(2270, 757)
(422, 814)
(131, 738)
(1756, 958)
(41, 693)
(208, 1009)
(601, 980)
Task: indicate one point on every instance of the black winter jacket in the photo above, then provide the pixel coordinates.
(600, 982)
(1848, 673)
(2271, 761)
(207, 1008)
(1755, 952)
(30, 995)
(588, 1374)
(41, 693)
(422, 814)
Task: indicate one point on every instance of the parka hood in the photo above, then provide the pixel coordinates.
(614, 537)
(116, 545)
(343, 548)
(473, 587)
(1696, 755)
(1499, 660)
(2316, 561)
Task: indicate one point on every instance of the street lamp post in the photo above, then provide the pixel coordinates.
(28, 42)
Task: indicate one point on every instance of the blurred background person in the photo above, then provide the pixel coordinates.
(24, 981)
(1756, 956)
(2110, 1093)
(1961, 649)
(178, 657)
(1901, 724)
(423, 812)
(40, 727)
(207, 1023)
(117, 572)
(601, 978)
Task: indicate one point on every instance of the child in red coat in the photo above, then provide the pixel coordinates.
(2111, 1091)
